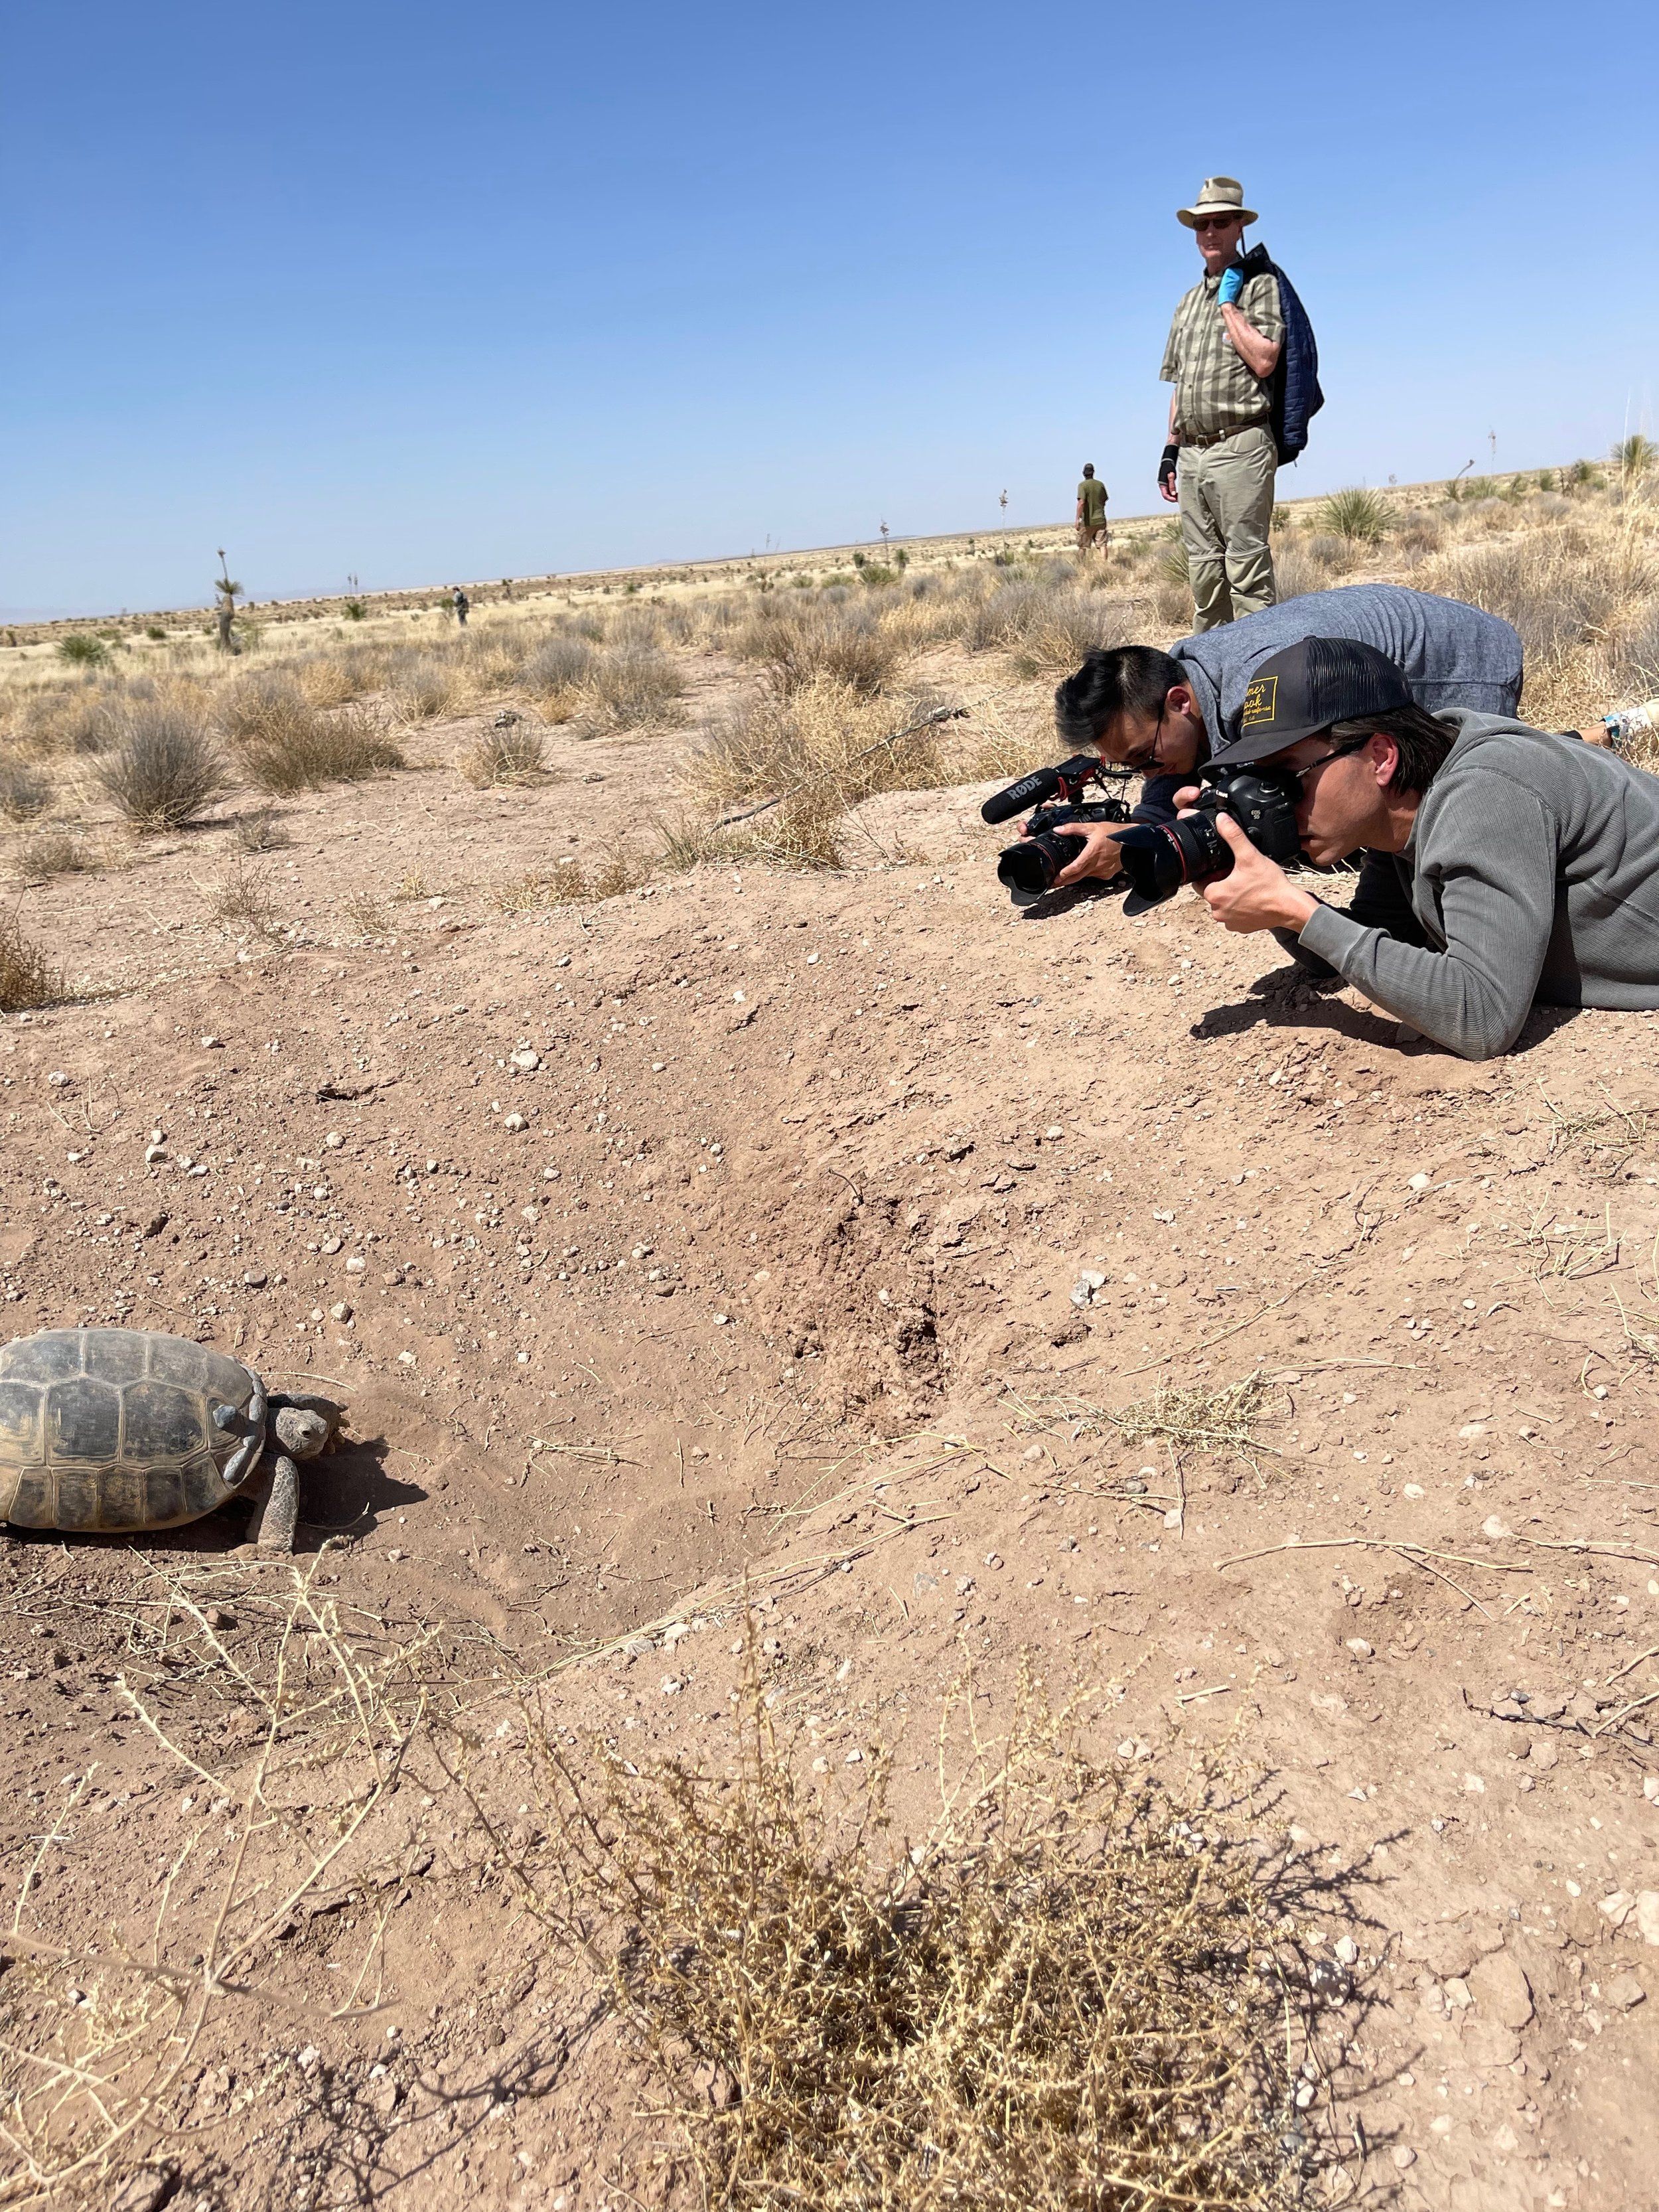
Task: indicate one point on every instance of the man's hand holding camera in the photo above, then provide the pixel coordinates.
(1101, 856)
(1255, 893)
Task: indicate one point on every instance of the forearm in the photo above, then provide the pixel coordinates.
(1174, 394)
(1472, 997)
(1259, 354)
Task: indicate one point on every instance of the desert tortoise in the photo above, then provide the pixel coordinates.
(106, 1431)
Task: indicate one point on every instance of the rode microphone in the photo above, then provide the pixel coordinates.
(1065, 782)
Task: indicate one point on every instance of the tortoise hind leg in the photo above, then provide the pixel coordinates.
(277, 1507)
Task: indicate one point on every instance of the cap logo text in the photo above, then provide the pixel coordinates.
(1260, 702)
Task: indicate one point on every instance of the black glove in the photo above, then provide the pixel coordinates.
(1166, 467)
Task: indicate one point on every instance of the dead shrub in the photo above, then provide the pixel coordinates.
(798, 645)
(366, 913)
(569, 883)
(819, 748)
(285, 744)
(332, 679)
(28, 978)
(165, 771)
(55, 853)
(73, 718)
(424, 688)
(555, 672)
(631, 689)
(1072, 1991)
(513, 755)
(1333, 556)
(242, 897)
(260, 831)
(24, 792)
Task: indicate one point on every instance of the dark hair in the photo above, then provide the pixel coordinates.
(1088, 468)
(1119, 679)
(1421, 740)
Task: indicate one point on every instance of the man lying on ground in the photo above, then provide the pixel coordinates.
(1507, 866)
(1163, 714)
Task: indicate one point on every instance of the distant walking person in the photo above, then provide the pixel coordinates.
(1091, 510)
(1224, 347)
(461, 604)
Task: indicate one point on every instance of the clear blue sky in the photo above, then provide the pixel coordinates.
(422, 292)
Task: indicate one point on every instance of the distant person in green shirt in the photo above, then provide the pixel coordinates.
(1091, 510)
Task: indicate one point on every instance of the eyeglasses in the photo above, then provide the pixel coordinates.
(1147, 755)
(1302, 774)
(1215, 222)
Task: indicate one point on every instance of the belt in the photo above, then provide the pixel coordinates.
(1217, 437)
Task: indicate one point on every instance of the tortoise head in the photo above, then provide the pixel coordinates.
(304, 1427)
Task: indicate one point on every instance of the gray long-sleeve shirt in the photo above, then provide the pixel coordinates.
(1532, 874)
(1450, 655)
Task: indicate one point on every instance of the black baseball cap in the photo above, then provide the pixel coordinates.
(1298, 693)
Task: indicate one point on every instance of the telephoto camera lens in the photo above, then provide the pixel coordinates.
(1159, 857)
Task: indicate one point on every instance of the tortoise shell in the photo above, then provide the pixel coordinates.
(105, 1429)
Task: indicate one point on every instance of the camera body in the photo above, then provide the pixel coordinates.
(1159, 858)
(1027, 870)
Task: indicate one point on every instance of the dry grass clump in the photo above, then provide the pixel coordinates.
(242, 898)
(813, 748)
(1048, 623)
(366, 915)
(822, 642)
(165, 771)
(1067, 1994)
(70, 718)
(260, 831)
(332, 679)
(569, 883)
(424, 688)
(555, 671)
(630, 689)
(1198, 1418)
(54, 852)
(24, 792)
(1560, 587)
(286, 745)
(512, 754)
(28, 978)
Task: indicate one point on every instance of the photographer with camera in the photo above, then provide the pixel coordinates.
(1163, 714)
(1507, 866)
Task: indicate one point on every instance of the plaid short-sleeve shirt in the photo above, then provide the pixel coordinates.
(1216, 392)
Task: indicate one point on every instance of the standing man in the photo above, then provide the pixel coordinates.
(1224, 347)
(1091, 510)
(461, 604)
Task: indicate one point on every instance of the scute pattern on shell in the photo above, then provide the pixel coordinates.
(110, 1429)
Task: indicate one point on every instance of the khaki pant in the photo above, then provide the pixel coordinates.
(1091, 534)
(1227, 510)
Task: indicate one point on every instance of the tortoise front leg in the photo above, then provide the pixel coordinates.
(278, 1507)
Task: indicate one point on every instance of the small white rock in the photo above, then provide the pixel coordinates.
(1420, 1183)
(515, 1121)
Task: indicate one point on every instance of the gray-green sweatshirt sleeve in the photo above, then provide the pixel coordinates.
(1491, 851)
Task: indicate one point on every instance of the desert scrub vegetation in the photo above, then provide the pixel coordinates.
(570, 882)
(799, 645)
(28, 977)
(54, 853)
(512, 751)
(1357, 513)
(24, 792)
(1071, 1989)
(164, 771)
(821, 750)
(630, 689)
(284, 744)
(83, 650)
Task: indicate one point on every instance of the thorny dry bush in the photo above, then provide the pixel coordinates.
(28, 977)
(292, 1715)
(823, 747)
(1075, 1990)
(284, 744)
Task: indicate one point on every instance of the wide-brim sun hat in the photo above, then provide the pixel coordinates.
(1217, 195)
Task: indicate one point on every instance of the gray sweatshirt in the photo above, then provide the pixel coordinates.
(1532, 874)
(1450, 655)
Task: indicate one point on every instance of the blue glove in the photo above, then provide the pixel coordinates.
(1232, 284)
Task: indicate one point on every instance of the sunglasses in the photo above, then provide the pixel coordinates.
(1215, 222)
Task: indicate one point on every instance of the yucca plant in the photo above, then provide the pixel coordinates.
(1357, 513)
(1634, 456)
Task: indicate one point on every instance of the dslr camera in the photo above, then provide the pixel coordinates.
(1158, 857)
(1027, 870)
